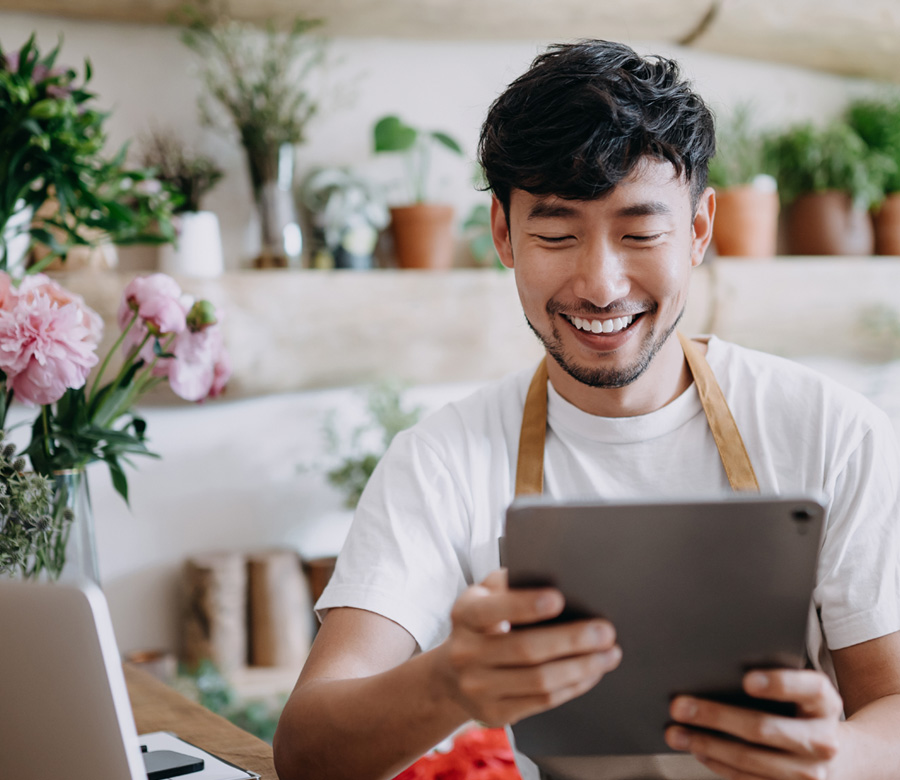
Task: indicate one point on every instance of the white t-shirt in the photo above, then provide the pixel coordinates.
(428, 523)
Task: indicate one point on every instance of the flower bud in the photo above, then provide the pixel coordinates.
(201, 316)
(19, 464)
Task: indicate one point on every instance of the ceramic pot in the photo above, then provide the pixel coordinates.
(746, 222)
(198, 251)
(825, 223)
(887, 226)
(423, 235)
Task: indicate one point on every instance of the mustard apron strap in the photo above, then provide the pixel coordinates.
(724, 429)
(530, 464)
(738, 468)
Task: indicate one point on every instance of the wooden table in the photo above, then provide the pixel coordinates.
(159, 708)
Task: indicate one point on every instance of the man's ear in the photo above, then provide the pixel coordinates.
(704, 217)
(500, 233)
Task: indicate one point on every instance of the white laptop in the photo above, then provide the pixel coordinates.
(64, 707)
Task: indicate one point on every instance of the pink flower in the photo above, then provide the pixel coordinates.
(42, 284)
(7, 291)
(157, 300)
(201, 365)
(11, 61)
(45, 347)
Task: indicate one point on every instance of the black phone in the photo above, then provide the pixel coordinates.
(161, 764)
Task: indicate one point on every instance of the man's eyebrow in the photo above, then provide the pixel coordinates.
(650, 208)
(551, 208)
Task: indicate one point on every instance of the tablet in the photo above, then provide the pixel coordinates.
(699, 592)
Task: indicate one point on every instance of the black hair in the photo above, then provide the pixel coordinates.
(584, 115)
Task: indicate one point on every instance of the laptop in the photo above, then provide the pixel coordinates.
(64, 707)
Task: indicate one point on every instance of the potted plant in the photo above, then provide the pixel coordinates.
(746, 194)
(877, 121)
(423, 231)
(347, 212)
(198, 247)
(261, 84)
(58, 190)
(829, 178)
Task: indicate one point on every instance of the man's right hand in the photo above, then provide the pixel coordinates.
(499, 676)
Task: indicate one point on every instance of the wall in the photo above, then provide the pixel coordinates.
(147, 77)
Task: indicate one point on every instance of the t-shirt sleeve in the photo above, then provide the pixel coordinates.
(858, 590)
(404, 555)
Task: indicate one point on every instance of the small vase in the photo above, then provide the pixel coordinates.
(15, 240)
(76, 553)
(423, 235)
(198, 251)
(281, 239)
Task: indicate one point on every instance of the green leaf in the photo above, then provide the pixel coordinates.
(119, 480)
(391, 135)
(447, 141)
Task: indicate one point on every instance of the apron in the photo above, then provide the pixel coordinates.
(739, 470)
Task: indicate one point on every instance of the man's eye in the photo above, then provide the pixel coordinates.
(553, 239)
(644, 239)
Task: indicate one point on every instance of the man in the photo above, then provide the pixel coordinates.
(597, 162)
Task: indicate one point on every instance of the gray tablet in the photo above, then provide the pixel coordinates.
(699, 592)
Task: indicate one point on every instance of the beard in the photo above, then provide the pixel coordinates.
(603, 377)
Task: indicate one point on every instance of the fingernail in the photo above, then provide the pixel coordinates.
(549, 602)
(678, 739)
(684, 709)
(602, 633)
(757, 681)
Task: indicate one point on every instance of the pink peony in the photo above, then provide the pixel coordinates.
(157, 300)
(7, 291)
(45, 347)
(201, 365)
(40, 283)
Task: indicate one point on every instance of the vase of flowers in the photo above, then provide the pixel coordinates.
(58, 190)
(48, 348)
(197, 250)
(261, 84)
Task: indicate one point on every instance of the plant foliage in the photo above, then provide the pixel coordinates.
(391, 134)
(741, 152)
(877, 122)
(51, 149)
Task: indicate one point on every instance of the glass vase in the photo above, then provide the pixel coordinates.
(74, 555)
(281, 238)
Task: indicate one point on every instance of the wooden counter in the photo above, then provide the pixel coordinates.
(159, 708)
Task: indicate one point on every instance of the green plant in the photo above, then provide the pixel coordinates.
(32, 536)
(51, 149)
(877, 121)
(190, 175)
(810, 159)
(740, 152)
(261, 82)
(206, 685)
(477, 230)
(391, 134)
(369, 441)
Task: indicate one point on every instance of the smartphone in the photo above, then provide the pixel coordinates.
(161, 764)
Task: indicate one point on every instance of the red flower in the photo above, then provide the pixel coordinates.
(477, 754)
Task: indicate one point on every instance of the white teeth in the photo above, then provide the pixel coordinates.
(613, 325)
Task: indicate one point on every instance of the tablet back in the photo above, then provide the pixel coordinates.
(699, 592)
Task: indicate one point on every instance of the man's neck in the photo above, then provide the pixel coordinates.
(667, 377)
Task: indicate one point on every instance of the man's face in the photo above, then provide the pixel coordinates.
(604, 282)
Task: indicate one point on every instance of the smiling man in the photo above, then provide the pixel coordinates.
(597, 161)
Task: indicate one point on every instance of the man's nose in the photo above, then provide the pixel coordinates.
(601, 275)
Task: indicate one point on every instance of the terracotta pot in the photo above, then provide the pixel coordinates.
(887, 226)
(746, 222)
(825, 223)
(423, 235)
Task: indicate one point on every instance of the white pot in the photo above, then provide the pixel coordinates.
(198, 251)
(16, 242)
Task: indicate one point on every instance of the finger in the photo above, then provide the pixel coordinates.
(728, 772)
(481, 608)
(812, 691)
(533, 646)
(811, 738)
(740, 760)
(546, 678)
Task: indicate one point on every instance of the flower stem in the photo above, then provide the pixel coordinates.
(109, 357)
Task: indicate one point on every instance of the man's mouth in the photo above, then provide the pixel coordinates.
(609, 325)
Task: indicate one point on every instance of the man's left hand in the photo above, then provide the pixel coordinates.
(767, 746)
